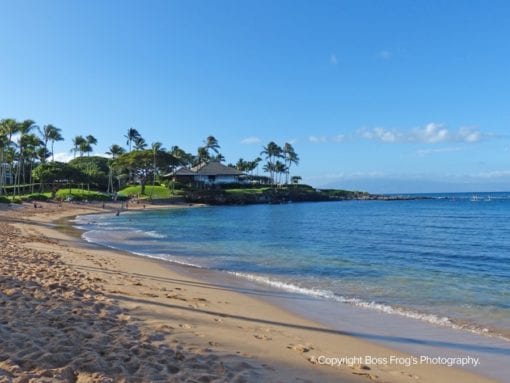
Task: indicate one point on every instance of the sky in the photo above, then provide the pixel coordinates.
(384, 96)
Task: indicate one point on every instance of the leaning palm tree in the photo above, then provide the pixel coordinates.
(211, 143)
(54, 135)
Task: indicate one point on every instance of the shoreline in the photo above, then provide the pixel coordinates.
(276, 343)
(452, 340)
(434, 318)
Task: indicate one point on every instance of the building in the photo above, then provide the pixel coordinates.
(6, 176)
(210, 173)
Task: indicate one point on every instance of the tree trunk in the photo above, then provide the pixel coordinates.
(31, 180)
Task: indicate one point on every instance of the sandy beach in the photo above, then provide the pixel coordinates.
(74, 312)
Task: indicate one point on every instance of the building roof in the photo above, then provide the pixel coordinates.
(182, 172)
(215, 168)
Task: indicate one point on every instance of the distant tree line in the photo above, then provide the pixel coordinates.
(27, 157)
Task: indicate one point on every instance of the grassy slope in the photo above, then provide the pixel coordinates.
(157, 193)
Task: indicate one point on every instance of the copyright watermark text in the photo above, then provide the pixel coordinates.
(406, 361)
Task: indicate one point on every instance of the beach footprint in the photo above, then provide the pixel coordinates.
(262, 337)
(299, 348)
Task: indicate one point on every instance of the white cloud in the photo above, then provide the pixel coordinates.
(63, 157)
(338, 138)
(333, 60)
(469, 134)
(431, 133)
(323, 139)
(381, 134)
(251, 140)
(317, 139)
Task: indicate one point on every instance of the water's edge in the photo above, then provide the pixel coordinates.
(378, 324)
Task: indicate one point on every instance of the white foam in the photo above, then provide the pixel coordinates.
(384, 308)
(168, 258)
(152, 233)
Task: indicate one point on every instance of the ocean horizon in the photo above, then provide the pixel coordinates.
(445, 261)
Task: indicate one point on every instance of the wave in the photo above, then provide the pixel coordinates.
(381, 307)
(168, 258)
(151, 233)
(163, 257)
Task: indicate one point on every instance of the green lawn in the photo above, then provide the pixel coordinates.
(80, 194)
(158, 192)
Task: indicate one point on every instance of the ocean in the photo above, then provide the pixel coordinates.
(444, 261)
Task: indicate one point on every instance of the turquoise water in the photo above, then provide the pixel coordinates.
(445, 261)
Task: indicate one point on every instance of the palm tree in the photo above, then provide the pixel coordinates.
(23, 128)
(85, 147)
(50, 133)
(183, 158)
(241, 165)
(54, 135)
(31, 144)
(219, 157)
(202, 155)
(4, 142)
(211, 143)
(91, 140)
(131, 135)
(115, 151)
(280, 168)
(290, 157)
(78, 142)
(269, 167)
(271, 151)
(140, 143)
(155, 147)
(8, 127)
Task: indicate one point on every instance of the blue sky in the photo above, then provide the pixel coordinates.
(385, 96)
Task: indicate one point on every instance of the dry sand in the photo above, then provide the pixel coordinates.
(73, 312)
